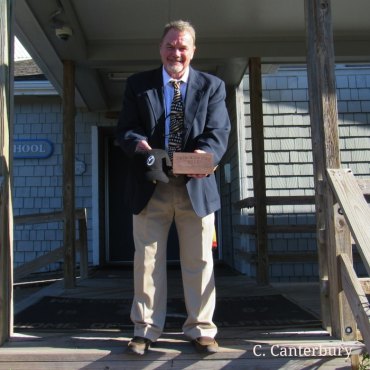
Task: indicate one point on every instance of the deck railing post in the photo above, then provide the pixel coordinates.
(259, 180)
(82, 226)
(6, 214)
(331, 239)
(69, 173)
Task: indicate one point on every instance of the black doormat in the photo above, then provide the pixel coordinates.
(58, 313)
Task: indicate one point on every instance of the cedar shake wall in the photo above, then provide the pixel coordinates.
(37, 183)
(288, 156)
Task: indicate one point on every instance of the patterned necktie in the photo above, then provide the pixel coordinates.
(176, 121)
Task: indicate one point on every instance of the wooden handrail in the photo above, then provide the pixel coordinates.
(355, 208)
(56, 254)
(280, 257)
(356, 297)
(271, 229)
(276, 201)
(250, 202)
(349, 193)
(38, 218)
(298, 256)
(289, 200)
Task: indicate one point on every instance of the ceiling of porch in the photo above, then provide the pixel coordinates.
(114, 38)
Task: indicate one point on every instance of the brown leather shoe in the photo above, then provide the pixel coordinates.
(138, 345)
(205, 345)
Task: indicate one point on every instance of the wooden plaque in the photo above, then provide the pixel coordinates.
(192, 163)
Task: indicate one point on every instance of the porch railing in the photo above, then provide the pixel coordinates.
(254, 257)
(352, 195)
(56, 254)
(309, 256)
(356, 211)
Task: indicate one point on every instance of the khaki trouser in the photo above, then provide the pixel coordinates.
(171, 201)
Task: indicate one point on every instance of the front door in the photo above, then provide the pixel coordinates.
(119, 239)
(119, 244)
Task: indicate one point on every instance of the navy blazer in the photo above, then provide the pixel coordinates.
(207, 127)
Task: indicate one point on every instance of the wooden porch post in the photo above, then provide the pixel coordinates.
(259, 180)
(69, 174)
(332, 233)
(6, 213)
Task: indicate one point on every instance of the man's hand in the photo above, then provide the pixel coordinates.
(198, 176)
(142, 146)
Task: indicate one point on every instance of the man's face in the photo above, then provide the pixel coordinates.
(176, 50)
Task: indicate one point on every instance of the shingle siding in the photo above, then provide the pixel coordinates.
(288, 155)
(37, 183)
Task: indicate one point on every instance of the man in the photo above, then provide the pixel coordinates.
(145, 124)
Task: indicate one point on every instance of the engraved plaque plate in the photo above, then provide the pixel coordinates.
(192, 163)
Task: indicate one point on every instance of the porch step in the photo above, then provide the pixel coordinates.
(72, 351)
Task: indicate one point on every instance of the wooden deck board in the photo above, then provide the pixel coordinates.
(258, 364)
(106, 349)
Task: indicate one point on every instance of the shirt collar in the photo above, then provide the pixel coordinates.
(167, 78)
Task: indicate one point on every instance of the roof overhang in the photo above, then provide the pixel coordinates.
(117, 38)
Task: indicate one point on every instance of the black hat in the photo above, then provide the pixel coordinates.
(153, 163)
